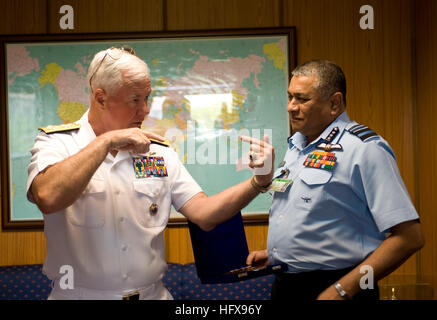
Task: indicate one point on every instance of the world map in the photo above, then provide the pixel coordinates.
(205, 93)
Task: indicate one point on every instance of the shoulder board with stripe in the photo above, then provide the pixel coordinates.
(161, 143)
(60, 128)
(362, 132)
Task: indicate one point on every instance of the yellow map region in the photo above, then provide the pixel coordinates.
(70, 112)
(155, 61)
(275, 53)
(228, 119)
(50, 74)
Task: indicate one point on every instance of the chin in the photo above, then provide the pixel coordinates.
(295, 126)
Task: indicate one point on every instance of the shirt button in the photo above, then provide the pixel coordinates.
(280, 217)
(124, 276)
(124, 247)
(117, 191)
(274, 249)
(121, 219)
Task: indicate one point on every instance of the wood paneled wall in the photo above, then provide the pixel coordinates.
(426, 66)
(380, 66)
(377, 64)
(109, 15)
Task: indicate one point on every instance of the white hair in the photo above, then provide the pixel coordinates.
(114, 66)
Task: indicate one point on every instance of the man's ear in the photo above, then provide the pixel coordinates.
(100, 97)
(336, 103)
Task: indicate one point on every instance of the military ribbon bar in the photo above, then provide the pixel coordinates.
(146, 167)
(321, 160)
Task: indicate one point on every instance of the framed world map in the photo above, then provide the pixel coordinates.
(207, 89)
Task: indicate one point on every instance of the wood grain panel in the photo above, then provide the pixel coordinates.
(221, 14)
(19, 248)
(178, 245)
(29, 247)
(426, 65)
(178, 242)
(92, 16)
(23, 17)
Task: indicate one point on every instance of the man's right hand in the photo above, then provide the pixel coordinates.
(131, 139)
(257, 258)
(60, 184)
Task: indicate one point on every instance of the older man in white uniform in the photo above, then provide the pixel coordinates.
(106, 192)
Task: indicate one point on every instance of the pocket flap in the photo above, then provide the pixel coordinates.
(149, 187)
(95, 186)
(313, 176)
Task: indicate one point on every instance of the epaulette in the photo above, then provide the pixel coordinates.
(60, 128)
(362, 132)
(161, 143)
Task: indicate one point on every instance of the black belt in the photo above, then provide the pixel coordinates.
(308, 285)
(132, 296)
(315, 274)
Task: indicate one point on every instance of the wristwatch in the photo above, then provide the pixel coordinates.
(341, 291)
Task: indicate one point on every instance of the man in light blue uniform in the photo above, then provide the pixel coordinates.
(343, 194)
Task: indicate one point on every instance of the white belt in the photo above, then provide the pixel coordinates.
(155, 291)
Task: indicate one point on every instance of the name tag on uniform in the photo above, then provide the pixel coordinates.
(146, 167)
(280, 185)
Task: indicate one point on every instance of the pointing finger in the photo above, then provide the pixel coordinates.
(253, 140)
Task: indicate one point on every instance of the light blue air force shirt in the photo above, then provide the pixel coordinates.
(334, 219)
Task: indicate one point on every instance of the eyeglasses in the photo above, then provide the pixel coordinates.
(124, 48)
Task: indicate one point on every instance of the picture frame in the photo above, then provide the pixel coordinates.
(14, 150)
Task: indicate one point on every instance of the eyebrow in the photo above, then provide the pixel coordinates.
(298, 95)
(136, 95)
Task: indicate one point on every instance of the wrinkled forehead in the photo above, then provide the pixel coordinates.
(303, 84)
(136, 85)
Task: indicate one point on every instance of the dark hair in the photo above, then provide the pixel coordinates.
(330, 76)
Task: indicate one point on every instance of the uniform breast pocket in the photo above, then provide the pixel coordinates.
(314, 177)
(150, 195)
(311, 188)
(88, 211)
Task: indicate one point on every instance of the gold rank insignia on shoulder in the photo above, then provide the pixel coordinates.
(60, 128)
(161, 143)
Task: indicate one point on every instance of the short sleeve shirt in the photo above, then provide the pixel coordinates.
(333, 219)
(112, 235)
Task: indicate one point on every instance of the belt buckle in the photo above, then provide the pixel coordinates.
(132, 296)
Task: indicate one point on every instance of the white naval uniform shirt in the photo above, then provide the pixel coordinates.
(108, 235)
